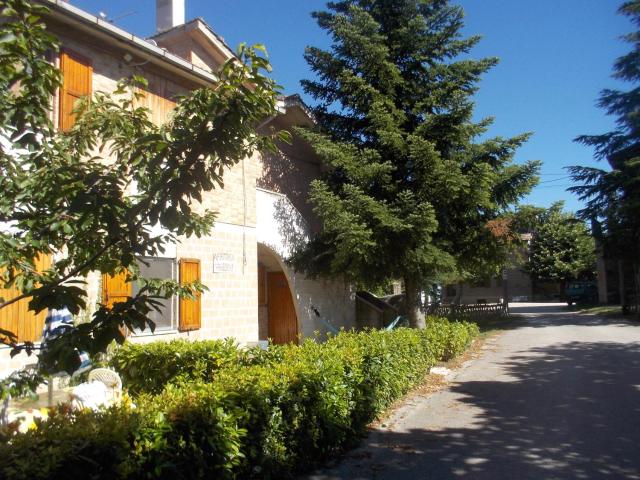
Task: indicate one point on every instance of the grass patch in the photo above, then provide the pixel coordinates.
(604, 310)
(492, 325)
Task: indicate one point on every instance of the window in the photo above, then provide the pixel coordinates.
(76, 83)
(163, 268)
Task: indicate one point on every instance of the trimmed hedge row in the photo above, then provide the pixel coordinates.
(265, 416)
(150, 367)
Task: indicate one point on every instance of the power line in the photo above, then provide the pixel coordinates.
(556, 179)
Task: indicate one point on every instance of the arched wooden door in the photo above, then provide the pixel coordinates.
(283, 322)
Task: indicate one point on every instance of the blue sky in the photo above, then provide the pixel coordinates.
(555, 57)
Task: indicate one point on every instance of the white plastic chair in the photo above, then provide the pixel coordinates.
(111, 379)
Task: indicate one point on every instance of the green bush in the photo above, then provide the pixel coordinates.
(150, 367)
(237, 414)
(187, 432)
(93, 445)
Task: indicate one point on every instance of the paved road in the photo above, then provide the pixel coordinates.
(557, 397)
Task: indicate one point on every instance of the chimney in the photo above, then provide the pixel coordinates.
(169, 14)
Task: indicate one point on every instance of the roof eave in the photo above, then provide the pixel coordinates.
(68, 14)
(198, 23)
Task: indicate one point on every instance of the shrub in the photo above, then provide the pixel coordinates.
(88, 445)
(232, 414)
(186, 432)
(150, 367)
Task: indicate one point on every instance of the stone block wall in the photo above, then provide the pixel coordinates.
(229, 307)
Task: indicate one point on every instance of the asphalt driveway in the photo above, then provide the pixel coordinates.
(556, 397)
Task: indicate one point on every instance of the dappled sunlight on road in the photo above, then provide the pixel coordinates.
(555, 397)
(522, 308)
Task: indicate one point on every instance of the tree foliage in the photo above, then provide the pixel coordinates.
(410, 188)
(613, 195)
(561, 249)
(91, 195)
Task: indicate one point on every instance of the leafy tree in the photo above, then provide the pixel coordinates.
(528, 218)
(409, 188)
(562, 248)
(92, 194)
(613, 195)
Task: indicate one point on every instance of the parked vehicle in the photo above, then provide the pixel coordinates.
(581, 292)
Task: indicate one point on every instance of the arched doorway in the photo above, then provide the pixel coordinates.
(277, 312)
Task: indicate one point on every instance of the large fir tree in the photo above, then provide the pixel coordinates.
(613, 195)
(409, 189)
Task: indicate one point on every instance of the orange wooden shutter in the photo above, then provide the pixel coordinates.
(189, 308)
(159, 106)
(115, 289)
(76, 83)
(17, 318)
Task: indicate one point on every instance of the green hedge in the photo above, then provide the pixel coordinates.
(150, 367)
(264, 416)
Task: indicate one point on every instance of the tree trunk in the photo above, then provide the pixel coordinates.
(412, 304)
(636, 284)
(458, 299)
(622, 288)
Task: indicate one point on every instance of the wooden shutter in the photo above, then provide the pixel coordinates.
(159, 106)
(190, 308)
(17, 317)
(76, 83)
(115, 289)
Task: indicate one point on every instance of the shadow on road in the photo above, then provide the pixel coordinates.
(558, 314)
(589, 428)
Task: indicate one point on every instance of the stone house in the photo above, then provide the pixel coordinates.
(262, 209)
(514, 283)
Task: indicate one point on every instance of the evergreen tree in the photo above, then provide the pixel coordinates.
(409, 190)
(613, 196)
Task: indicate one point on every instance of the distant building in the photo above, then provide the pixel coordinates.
(515, 282)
